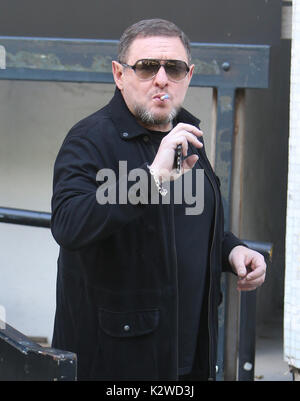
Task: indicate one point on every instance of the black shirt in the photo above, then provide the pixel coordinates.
(192, 246)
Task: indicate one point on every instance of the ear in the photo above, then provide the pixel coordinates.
(117, 71)
(190, 74)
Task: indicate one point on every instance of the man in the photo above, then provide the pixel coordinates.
(139, 281)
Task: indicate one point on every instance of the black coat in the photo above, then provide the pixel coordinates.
(117, 271)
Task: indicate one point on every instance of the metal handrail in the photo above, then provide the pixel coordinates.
(43, 219)
(25, 217)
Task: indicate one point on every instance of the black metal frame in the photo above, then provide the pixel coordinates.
(25, 360)
(225, 67)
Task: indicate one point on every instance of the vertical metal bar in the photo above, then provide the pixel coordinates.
(224, 146)
(247, 336)
(231, 337)
(247, 332)
(232, 306)
(223, 169)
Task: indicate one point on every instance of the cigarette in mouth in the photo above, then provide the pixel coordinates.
(164, 97)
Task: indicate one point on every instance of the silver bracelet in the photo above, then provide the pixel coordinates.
(161, 190)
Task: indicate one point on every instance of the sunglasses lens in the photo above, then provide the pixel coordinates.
(147, 69)
(176, 70)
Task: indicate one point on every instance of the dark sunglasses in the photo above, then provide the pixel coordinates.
(146, 69)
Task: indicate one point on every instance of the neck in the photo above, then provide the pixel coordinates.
(158, 127)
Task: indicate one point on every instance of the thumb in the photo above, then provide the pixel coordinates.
(237, 261)
(241, 270)
(189, 162)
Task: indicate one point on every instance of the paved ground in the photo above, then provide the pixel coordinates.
(269, 362)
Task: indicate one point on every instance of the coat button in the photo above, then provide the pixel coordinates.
(125, 134)
(126, 327)
(146, 138)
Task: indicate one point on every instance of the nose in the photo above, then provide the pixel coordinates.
(161, 78)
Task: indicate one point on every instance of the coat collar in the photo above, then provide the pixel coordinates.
(126, 123)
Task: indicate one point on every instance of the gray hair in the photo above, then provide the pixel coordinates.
(151, 27)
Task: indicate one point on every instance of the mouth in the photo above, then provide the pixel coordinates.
(161, 97)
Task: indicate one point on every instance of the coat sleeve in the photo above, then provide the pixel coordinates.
(77, 218)
(228, 243)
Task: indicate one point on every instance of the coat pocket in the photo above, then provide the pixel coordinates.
(127, 346)
(128, 324)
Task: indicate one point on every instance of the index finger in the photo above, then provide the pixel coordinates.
(189, 128)
(258, 267)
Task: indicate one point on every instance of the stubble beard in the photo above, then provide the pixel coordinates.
(152, 120)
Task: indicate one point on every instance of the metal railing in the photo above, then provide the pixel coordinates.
(24, 360)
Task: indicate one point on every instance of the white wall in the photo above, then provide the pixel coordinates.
(292, 275)
(35, 117)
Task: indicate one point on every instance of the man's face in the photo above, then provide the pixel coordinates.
(143, 97)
